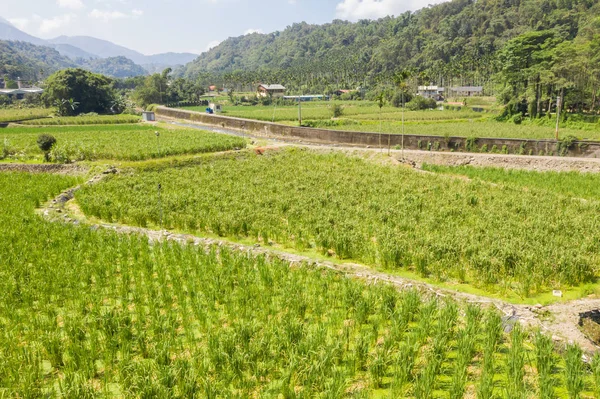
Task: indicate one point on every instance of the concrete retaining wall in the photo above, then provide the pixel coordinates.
(408, 141)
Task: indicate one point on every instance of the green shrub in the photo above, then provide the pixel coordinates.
(419, 103)
(45, 142)
(337, 110)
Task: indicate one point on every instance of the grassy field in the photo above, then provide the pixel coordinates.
(364, 116)
(483, 128)
(88, 314)
(359, 110)
(502, 239)
(118, 142)
(85, 120)
(14, 114)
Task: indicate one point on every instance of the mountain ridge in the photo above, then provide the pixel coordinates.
(88, 47)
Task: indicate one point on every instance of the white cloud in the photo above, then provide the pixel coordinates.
(43, 26)
(106, 15)
(113, 15)
(212, 44)
(251, 31)
(19, 23)
(48, 25)
(72, 4)
(373, 9)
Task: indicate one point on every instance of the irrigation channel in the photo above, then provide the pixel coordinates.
(560, 320)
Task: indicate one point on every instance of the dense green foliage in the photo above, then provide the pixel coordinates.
(88, 313)
(85, 91)
(159, 89)
(123, 142)
(501, 238)
(116, 67)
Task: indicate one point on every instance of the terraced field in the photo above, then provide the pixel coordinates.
(87, 313)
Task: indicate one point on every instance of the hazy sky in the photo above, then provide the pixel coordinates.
(156, 26)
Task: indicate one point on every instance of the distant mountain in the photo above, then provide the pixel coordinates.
(101, 48)
(72, 51)
(76, 47)
(106, 49)
(118, 67)
(170, 59)
(32, 63)
(9, 32)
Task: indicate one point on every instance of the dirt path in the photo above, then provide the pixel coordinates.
(559, 320)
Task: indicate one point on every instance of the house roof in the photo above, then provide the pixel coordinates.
(430, 88)
(272, 87)
(468, 88)
(30, 90)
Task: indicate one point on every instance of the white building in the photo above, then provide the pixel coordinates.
(435, 92)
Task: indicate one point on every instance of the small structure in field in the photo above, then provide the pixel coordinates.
(275, 90)
(435, 92)
(217, 108)
(466, 91)
(148, 116)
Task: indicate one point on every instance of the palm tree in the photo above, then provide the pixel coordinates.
(380, 102)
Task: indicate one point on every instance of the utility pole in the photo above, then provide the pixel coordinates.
(158, 142)
(558, 107)
(160, 206)
(300, 111)
(403, 124)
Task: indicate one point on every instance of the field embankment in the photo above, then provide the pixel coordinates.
(440, 142)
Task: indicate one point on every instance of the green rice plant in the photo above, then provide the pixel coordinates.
(492, 337)
(574, 371)
(515, 362)
(545, 363)
(596, 374)
(467, 338)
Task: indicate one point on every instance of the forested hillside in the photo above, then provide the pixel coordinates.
(32, 63)
(28, 61)
(117, 67)
(520, 49)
